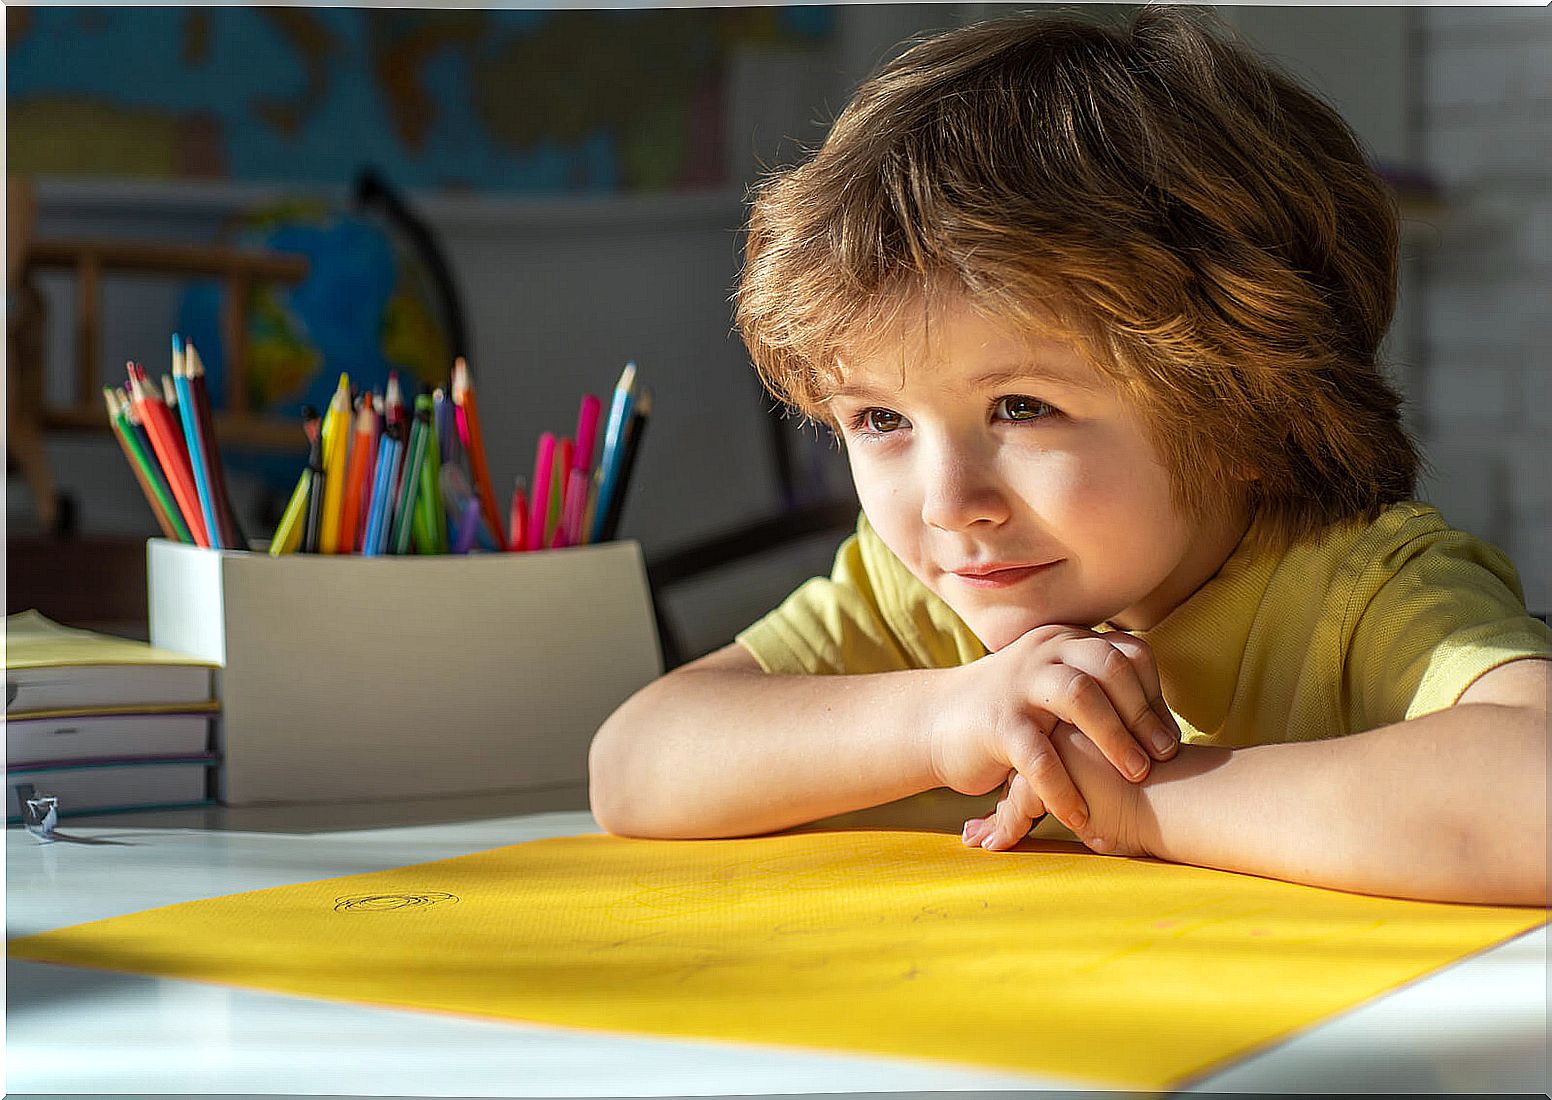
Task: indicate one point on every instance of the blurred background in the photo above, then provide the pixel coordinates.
(553, 193)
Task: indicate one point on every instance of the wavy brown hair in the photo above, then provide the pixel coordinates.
(1206, 230)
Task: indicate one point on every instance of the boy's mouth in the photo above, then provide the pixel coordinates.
(998, 574)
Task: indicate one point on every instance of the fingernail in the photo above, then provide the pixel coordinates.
(989, 840)
(1079, 819)
(1163, 742)
(1136, 764)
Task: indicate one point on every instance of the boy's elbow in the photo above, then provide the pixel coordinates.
(614, 786)
(602, 780)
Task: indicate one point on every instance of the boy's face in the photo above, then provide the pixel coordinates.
(1015, 482)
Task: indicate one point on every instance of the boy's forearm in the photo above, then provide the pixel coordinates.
(1447, 807)
(711, 753)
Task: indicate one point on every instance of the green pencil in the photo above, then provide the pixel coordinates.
(150, 471)
(404, 511)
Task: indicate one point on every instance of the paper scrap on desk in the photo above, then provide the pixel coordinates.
(1046, 959)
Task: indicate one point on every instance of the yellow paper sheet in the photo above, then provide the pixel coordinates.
(1046, 959)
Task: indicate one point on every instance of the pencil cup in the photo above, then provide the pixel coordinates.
(351, 678)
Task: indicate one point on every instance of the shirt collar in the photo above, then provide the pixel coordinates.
(1200, 646)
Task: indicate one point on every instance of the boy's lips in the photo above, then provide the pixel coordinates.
(999, 574)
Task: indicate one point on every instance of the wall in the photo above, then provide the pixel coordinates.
(559, 293)
(1484, 121)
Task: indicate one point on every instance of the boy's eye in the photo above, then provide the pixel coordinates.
(1017, 407)
(880, 421)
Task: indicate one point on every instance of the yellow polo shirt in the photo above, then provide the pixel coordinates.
(1367, 625)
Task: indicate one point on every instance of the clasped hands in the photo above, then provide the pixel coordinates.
(1066, 720)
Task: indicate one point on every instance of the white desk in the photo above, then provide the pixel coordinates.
(1480, 1026)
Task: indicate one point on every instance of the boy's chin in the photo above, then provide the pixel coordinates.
(999, 627)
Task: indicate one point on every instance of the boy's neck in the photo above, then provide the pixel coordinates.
(1219, 536)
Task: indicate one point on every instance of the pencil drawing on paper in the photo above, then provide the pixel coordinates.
(380, 903)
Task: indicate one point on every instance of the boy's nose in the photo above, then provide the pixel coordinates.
(961, 494)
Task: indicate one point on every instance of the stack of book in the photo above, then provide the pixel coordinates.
(104, 724)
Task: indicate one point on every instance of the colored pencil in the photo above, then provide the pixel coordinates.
(188, 414)
(140, 444)
(430, 523)
(463, 396)
(312, 531)
(409, 481)
(158, 424)
(355, 483)
(468, 527)
(614, 447)
(396, 412)
(226, 514)
(288, 536)
(590, 513)
(372, 542)
(159, 504)
(638, 427)
(447, 430)
(517, 538)
(336, 447)
(374, 440)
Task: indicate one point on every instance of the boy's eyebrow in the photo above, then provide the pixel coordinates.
(1023, 371)
(1032, 371)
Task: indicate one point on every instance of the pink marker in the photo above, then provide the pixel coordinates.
(576, 505)
(539, 506)
(587, 434)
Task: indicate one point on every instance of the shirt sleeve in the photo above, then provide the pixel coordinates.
(829, 626)
(869, 615)
(1445, 609)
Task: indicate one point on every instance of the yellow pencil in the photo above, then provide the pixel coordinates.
(288, 536)
(336, 445)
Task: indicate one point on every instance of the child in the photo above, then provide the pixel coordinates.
(1095, 313)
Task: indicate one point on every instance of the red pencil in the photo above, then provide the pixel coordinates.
(158, 424)
(517, 537)
(463, 397)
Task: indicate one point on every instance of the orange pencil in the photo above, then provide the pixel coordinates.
(158, 425)
(463, 397)
(355, 475)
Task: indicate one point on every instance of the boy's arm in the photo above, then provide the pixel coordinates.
(721, 748)
(1451, 806)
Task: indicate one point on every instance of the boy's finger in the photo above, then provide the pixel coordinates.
(1136, 733)
(1026, 802)
(1082, 699)
(1042, 769)
(1140, 653)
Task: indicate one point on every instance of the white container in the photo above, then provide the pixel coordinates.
(351, 678)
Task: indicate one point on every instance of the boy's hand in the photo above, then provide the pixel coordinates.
(997, 724)
(1114, 826)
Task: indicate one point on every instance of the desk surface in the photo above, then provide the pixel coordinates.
(1479, 1026)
